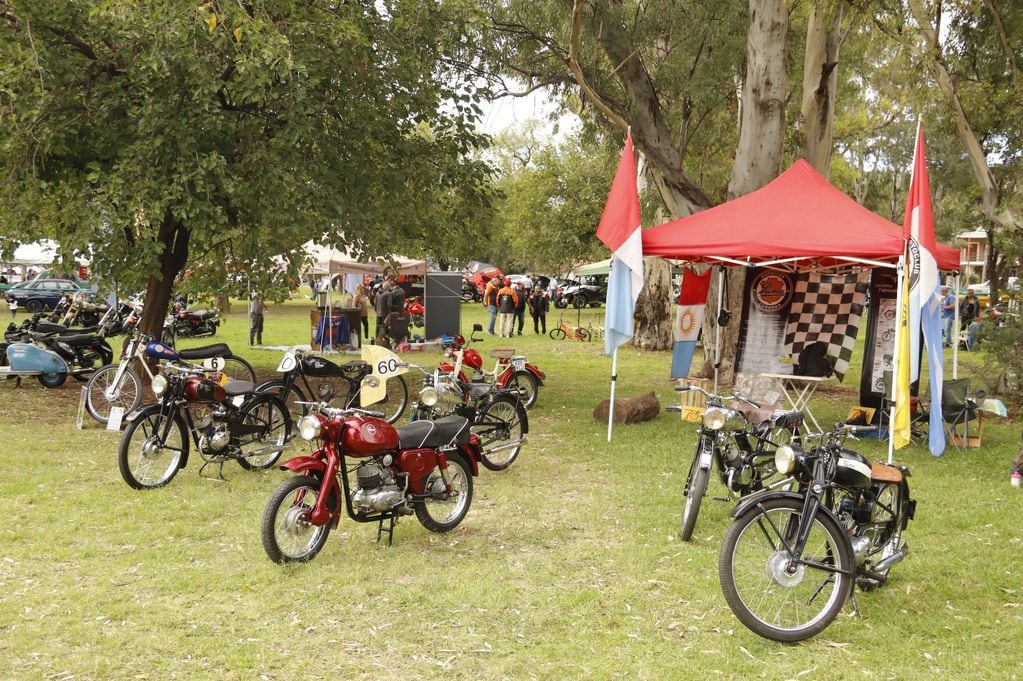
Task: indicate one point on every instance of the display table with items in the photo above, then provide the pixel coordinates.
(339, 330)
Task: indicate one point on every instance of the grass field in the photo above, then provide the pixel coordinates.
(567, 565)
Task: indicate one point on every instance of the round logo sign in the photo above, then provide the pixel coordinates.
(771, 291)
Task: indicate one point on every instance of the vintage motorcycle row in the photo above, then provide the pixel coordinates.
(814, 519)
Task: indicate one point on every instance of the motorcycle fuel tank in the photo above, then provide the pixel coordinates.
(27, 357)
(199, 389)
(853, 470)
(161, 351)
(472, 359)
(366, 436)
(319, 367)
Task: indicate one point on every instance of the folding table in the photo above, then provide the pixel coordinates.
(798, 392)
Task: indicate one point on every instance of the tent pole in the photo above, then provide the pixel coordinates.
(895, 359)
(955, 332)
(611, 407)
(717, 342)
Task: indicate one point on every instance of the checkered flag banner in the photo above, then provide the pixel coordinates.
(827, 308)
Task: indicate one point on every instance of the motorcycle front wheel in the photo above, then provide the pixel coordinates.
(498, 425)
(528, 384)
(394, 403)
(127, 395)
(261, 450)
(288, 534)
(776, 596)
(152, 448)
(442, 514)
(698, 478)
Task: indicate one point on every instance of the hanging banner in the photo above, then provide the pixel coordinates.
(765, 312)
(692, 302)
(880, 340)
(827, 308)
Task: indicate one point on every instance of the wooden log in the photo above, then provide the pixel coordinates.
(629, 409)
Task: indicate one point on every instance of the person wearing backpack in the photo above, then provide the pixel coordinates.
(507, 301)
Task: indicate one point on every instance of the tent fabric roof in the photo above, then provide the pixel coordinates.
(335, 261)
(593, 268)
(797, 220)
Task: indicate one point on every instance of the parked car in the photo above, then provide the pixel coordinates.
(592, 291)
(43, 294)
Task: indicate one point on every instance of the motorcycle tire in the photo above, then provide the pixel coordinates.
(291, 399)
(52, 379)
(238, 369)
(439, 514)
(287, 534)
(561, 303)
(528, 384)
(558, 333)
(784, 607)
(152, 450)
(498, 424)
(128, 397)
(891, 502)
(698, 478)
(258, 452)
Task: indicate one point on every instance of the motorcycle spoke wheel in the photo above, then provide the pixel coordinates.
(291, 399)
(886, 517)
(777, 598)
(444, 514)
(127, 395)
(394, 403)
(288, 534)
(259, 451)
(498, 425)
(698, 478)
(150, 453)
(238, 369)
(527, 383)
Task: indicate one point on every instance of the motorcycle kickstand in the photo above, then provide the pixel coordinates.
(220, 473)
(855, 605)
(389, 531)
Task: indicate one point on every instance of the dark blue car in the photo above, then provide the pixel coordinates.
(43, 294)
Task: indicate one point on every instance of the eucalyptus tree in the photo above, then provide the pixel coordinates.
(172, 135)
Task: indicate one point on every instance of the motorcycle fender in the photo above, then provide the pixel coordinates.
(766, 495)
(531, 368)
(507, 374)
(305, 464)
(471, 452)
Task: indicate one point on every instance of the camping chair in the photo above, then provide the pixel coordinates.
(919, 416)
(958, 408)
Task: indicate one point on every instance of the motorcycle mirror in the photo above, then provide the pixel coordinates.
(477, 327)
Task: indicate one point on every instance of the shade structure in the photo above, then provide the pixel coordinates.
(335, 261)
(797, 221)
(593, 268)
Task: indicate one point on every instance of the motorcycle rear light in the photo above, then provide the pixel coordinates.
(309, 426)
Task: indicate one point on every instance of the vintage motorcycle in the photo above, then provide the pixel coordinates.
(225, 420)
(740, 441)
(307, 377)
(189, 323)
(23, 360)
(425, 468)
(120, 385)
(497, 415)
(81, 353)
(415, 309)
(791, 559)
(510, 371)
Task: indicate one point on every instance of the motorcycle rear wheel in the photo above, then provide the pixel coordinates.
(151, 450)
(528, 383)
(259, 452)
(498, 424)
(698, 478)
(128, 397)
(288, 535)
(238, 369)
(393, 405)
(442, 515)
(782, 605)
(291, 399)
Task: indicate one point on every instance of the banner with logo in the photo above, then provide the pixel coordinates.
(765, 314)
(879, 345)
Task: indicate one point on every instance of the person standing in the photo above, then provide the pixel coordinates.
(507, 301)
(256, 309)
(948, 314)
(397, 298)
(968, 309)
(382, 305)
(520, 307)
(538, 306)
(12, 303)
(361, 301)
(490, 302)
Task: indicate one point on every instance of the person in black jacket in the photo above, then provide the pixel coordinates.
(520, 307)
(968, 309)
(538, 306)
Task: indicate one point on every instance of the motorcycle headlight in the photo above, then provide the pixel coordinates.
(159, 385)
(714, 419)
(785, 459)
(309, 426)
(429, 396)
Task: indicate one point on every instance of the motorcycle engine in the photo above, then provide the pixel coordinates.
(214, 438)
(376, 488)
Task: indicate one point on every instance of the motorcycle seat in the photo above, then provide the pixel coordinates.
(201, 314)
(502, 353)
(882, 472)
(77, 340)
(235, 387)
(206, 351)
(443, 432)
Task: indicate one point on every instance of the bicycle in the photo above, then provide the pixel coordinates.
(565, 330)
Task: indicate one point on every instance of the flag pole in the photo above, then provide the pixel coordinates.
(717, 342)
(614, 378)
(955, 332)
(895, 357)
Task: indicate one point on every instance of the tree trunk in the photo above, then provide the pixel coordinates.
(223, 303)
(820, 83)
(758, 157)
(652, 319)
(174, 237)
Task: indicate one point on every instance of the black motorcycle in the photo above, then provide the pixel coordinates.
(82, 352)
(311, 378)
(740, 441)
(189, 323)
(791, 559)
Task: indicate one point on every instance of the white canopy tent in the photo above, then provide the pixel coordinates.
(328, 260)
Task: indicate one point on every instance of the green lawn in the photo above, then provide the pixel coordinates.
(567, 565)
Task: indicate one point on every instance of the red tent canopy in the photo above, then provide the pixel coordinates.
(798, 220)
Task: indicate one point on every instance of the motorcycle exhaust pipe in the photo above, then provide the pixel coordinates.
(891, 560)
(509, 445)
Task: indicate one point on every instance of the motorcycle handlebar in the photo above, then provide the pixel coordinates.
(335, 412)
(724, 398)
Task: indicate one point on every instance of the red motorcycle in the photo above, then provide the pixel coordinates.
(425, 468)
(510, 370)
(415, 310)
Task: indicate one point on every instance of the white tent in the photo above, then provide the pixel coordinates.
(335, 261)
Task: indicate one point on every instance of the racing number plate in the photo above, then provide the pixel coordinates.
(692, 414)
(287, 363)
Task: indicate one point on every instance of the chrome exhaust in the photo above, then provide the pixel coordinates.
(508, 445)
(886, 563)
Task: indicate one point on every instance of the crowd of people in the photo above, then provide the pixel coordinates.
(507, 301)
(970, 318)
